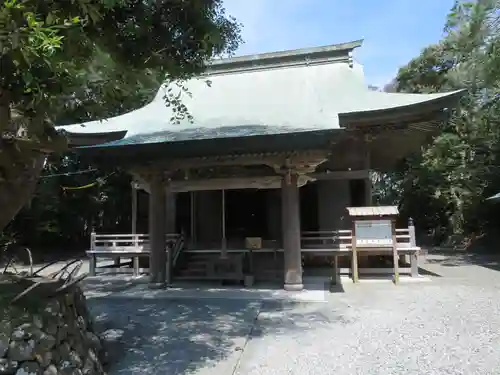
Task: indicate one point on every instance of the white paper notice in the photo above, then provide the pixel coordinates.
(370, 233)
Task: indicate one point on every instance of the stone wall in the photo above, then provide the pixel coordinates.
(43, 335)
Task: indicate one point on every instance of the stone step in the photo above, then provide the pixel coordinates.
(188, 272)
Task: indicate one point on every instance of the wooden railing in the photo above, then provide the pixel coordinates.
(177, 247)
(327, 240)
(117, 246)
(329, 243)
(342, 239)
(339, 243)
(125, 242)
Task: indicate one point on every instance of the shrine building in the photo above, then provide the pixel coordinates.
(275, 148)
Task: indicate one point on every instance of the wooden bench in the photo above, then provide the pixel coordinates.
(338, 243)
(133, 246)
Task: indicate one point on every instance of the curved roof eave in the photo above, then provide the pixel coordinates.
(88, 139)
(316, 92)
(429, 102)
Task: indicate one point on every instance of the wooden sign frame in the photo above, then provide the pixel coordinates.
(359, 214)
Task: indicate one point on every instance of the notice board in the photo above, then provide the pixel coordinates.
(373, 233)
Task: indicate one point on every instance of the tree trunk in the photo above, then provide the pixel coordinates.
(19, 168)
(17, 190)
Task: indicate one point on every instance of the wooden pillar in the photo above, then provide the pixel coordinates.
(93, 258)
(192, 218)
(354, 254)
(134, 207)
(135, 260)
(413, 243)
(368, 192)
(291, 232)
(157, 259)
(367, 165)
(223, 252)
(170, 211)
(395, 252)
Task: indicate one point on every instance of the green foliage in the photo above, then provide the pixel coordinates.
(94, 53)
(69, 61)
(445, 187)
(58, 218)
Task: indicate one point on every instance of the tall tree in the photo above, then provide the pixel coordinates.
(446, 185)
(87, 59)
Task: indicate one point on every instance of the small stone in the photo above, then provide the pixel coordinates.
(75, 359)
(44, 342)
(24, 331)
(29, 368)
(44, 358)
(22, 350)
(51, 370)
(71, 371)
(4, 343)
(38, 321)
(77, 345)
(62, 352)
(88, 366)
(81, 323)
(7, 367)
(25, 318)
(63, 309)
(69, 300)
(62, 333)
(93, 341)
(52, 308)
(51, 327)
(6, 326)
(92, 356)
(104, 357)
(113, 335)
(67, 368)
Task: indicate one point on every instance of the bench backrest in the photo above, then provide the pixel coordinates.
(125, 242)
(342, 239)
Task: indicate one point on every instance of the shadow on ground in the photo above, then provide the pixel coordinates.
(115, 283)
(425, 272)
(190, 336)
(460, 258)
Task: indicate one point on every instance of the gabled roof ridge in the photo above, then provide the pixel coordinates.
(304, 56)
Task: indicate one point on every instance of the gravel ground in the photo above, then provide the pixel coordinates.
(449, 325)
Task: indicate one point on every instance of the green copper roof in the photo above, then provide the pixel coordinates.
(287, 92)
(198, 133)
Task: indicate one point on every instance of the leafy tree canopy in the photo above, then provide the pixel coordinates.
(445, 186)
(69, 60)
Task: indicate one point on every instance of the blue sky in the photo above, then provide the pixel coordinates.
(394, 31)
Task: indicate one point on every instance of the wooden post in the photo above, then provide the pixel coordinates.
(157, 237)
(117, 260)
(336, 271)
(192, 218)
(395, 252)
(169, 229)
(411, 232)
(367, 164)
(354, 254)
(368, 191)
(93, 259)
(170, 211)
(413, 243)
(134, 207)
(223, 225)
(135, 260)
(291, 232)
